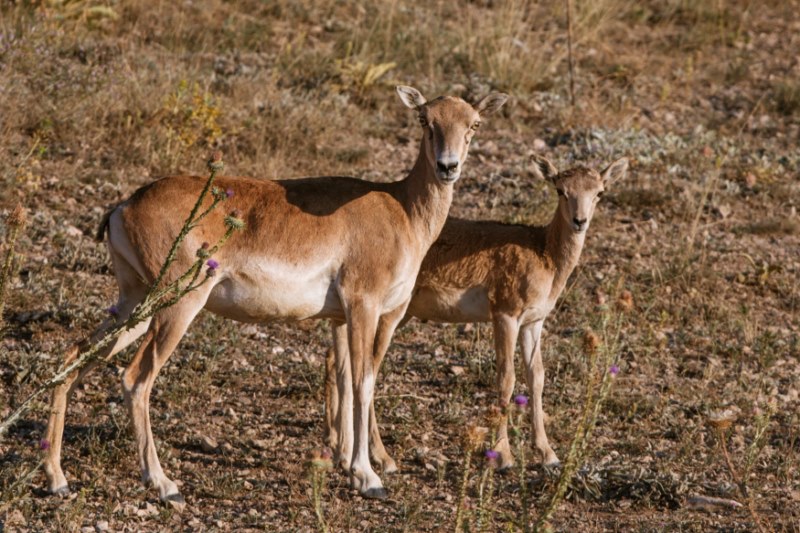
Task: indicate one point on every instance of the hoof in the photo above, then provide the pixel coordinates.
(61, 492)
(389, 467)
(552, 469)
(176, 501)
(378, 493)
(505, 469)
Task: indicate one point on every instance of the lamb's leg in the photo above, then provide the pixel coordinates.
(506, 330)
(534, 374)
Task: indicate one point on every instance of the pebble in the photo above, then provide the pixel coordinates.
(457, 370)
(208, 444)
(72, 231)
(148, 510)
(261, 444)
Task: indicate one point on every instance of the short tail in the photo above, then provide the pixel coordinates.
(101, 231)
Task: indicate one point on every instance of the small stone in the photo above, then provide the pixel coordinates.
(457, 370)
(261, 444)
(466, 328)
(420, 453)
(130, 509)
(72, 231)
(16, 518)
(208, 444)
(724, 210)
(101, 526)
(539, 145)
(148, 510)
(87, 529)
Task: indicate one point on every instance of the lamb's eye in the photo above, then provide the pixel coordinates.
(475, 126)
(423, 122)
(600, 194)
(560, 192)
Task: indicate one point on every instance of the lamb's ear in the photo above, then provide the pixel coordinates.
(490, 103)
(542, 168)
(410, 96)
(615, 171)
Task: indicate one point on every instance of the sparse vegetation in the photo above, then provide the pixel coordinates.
(99, 98)
(15, 221)
(787, 98)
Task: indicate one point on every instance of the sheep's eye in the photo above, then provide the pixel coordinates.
(475, 126)
(600, 194)
(560, 192)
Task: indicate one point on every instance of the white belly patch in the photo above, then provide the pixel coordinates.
(451, 305)
(269, 290)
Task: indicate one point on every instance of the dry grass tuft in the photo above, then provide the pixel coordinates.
(98, 98)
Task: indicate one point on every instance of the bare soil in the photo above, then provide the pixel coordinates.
(702, 96)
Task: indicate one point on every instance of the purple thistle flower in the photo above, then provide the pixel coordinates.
(521, 400)
(491, 455)
(113, 311)
(44, 444)
(228, 193)
(212, 264)
(614, 370)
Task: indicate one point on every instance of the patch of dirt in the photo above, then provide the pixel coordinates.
(703, 233)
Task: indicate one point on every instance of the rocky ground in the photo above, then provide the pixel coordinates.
(100, 98)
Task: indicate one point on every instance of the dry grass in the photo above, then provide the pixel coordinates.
(98, 98)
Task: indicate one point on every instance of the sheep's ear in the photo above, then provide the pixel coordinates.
(543, 169)
(615, 171)
(410, 96)
(490, 103)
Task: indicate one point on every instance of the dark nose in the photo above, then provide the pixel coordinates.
(579, 221)
(446, 168)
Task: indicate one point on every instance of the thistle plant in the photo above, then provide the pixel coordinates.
(494, 419)
(516, 420)
(602, 367)
(486, 489)
(721, 422)
(14, 222)
(318, 465)
(473, 439)
(162, 293)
